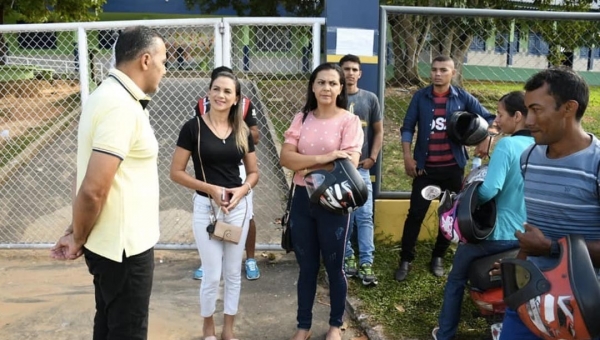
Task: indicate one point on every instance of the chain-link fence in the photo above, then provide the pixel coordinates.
(40, 102)
(495, 51)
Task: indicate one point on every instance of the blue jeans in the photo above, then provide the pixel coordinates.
(317, 234)
(514, 329)
(363, 219)
(457, 279)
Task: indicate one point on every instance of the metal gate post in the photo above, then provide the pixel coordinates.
(353, 28)
(84, 75)
(218, 44)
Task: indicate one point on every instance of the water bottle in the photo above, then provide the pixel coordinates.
(476, 163)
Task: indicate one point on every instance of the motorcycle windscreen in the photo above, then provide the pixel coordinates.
(514, 277)
(521, 282)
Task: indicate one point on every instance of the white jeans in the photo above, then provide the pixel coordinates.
(220, 257)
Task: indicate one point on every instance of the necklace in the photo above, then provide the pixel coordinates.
(215, 128)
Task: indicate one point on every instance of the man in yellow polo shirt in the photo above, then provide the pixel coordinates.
(115, 210)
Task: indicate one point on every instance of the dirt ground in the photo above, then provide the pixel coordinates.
(28, 103)
(46, 299)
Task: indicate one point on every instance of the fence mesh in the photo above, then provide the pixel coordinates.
(493, 56)
(40, 100)
(40, 106)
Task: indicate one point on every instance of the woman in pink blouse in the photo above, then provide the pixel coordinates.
(323, 132)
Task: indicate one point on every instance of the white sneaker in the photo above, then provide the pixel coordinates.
(434, 333)
(496, 330)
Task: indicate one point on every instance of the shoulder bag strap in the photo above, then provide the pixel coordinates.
(290, 196)
(202, 168)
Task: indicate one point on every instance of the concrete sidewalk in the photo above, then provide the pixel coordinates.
(268, 305)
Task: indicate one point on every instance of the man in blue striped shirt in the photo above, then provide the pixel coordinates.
(560, 174)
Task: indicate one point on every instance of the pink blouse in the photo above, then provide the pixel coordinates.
(320, 136)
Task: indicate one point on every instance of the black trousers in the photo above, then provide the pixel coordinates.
(446, 178)
(122, 292)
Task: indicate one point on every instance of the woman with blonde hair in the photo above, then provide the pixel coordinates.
(217, 141)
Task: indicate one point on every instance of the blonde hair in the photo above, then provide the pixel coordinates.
(239, 127)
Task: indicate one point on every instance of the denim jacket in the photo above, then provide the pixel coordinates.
(420, 111)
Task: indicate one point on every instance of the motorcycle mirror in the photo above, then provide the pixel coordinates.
(431, 192)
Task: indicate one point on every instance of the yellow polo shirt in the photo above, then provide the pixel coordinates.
(113, 121)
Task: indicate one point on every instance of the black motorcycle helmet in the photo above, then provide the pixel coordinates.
(476, 221)
(340, 191)
(466, 128)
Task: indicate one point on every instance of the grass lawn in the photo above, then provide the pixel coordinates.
(411, 308)
(408, 309)
(396, 103)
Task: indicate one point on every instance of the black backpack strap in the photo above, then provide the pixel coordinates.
(527, 159)
(597, 171)
(202, 106)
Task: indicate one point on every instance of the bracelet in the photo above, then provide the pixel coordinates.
(249, 188)
(373, 159)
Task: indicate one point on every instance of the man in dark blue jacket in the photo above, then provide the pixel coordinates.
(436, 159)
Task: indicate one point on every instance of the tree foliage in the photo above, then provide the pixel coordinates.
(261, 8)
(564, 35)
(453, 36)
(34, 11)
(51, 10)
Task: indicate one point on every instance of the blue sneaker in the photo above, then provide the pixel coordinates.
(198, 274)
(252, 272)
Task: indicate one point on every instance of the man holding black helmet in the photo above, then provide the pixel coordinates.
(436, 160)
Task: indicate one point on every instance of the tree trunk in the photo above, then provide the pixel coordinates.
(555, 56)
(406, 47)
(461, 45)
(449, 39)
(442, 39)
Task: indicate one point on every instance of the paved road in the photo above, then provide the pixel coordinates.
(36, 201)
(46, 299)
